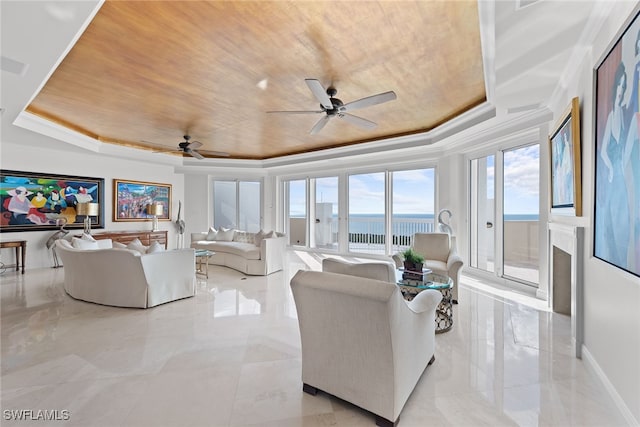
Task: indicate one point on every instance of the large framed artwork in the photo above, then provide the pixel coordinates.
(131, 199)
(31, 201)
(617, 151)
(565, 157)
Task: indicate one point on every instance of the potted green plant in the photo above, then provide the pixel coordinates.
(413, 261)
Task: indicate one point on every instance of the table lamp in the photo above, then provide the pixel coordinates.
(155, 210)
(88, 210)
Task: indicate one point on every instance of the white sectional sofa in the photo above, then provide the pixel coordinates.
(124, 277)
(256, 254)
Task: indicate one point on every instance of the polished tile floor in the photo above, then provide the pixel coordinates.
(231, 356)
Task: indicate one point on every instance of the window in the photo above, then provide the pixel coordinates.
(237, 204)
(413, 205)
(383, 210)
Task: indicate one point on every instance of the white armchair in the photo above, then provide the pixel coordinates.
(361, 341)
(384, 271)
(440, 254)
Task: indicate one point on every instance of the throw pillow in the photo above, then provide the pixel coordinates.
(83, 244)
(213, 233)
(270, 234)
(278, 234)
(65, 244)
(225, 235)
(137, 245)
(119, 245)
(258, 238)
(244, 237)
(155, 247)
(87, 237)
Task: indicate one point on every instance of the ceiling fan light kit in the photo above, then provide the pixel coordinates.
(189, 148)
(334, 107)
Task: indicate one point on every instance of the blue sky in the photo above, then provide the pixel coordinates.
(522, 180)
(413, 192)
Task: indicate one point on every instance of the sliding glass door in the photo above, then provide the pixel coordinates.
(482, 241)
(367, 213)
(521, 200)
(380, 210)
(296, 211)
(504, 208)
(325, 224)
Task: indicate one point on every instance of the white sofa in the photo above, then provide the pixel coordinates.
(125, 277)
(361, 341)
(241, 252)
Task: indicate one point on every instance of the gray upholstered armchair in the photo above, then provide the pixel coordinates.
(440, 254)
(361, 341)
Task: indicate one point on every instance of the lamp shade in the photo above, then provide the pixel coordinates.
(88, 209)
(154, 209)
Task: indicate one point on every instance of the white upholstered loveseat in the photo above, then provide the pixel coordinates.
(256, 254)
(361, 341)
(124, 277)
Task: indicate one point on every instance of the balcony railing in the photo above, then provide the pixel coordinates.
(365, 234)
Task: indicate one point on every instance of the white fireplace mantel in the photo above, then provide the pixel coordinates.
(569, 239)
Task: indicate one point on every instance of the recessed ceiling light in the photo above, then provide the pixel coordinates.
(262, 84)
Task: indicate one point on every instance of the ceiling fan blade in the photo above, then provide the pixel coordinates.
(166, 151)
(195, 144)
(369, 101)
(195, 154)
(319, 125)
(295, 112)
(320, 93)
(358, 121)
(209, 153)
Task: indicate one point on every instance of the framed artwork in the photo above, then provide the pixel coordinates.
(32, 201)
(617, 151)
(565, 157)
(132, 197)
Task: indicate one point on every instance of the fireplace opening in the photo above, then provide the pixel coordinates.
(561, 281)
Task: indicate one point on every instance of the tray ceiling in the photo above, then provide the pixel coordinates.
(145, 73)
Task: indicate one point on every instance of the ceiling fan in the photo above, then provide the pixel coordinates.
(190, 148)
(334, 107)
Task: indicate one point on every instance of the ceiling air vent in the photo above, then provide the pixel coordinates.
(524, 3)
(12, 66)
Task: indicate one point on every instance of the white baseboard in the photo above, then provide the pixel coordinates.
(591, 364)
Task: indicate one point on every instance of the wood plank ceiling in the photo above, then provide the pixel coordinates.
(153, 71)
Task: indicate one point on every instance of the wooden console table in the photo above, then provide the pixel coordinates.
(21, 249)
(146, 237)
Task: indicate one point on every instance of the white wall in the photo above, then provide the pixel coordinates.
(197, 202)
(611, 296)
(78, 162)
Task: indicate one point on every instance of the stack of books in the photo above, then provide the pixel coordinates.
(416, 276)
